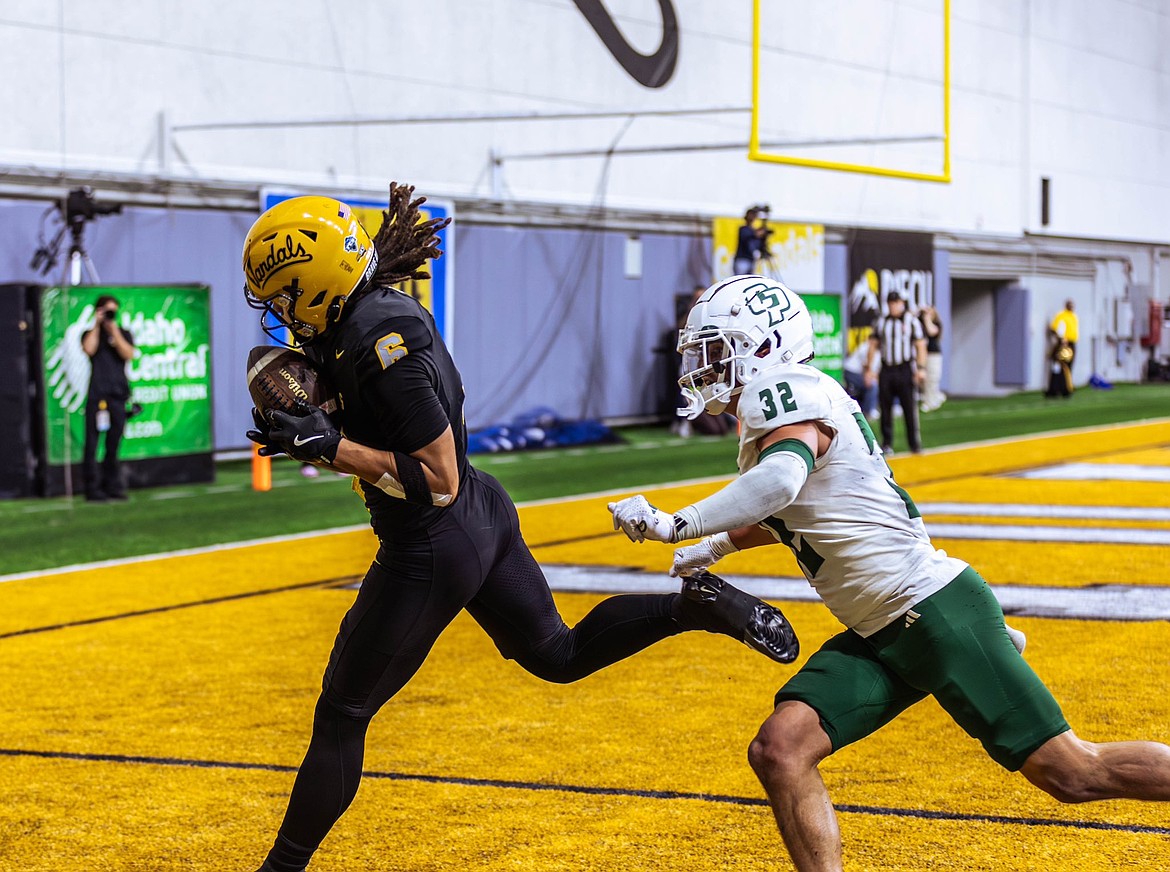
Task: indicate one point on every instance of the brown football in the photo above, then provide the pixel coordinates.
(280, 378)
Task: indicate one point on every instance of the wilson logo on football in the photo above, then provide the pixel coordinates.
(294, 386)
(277, 259)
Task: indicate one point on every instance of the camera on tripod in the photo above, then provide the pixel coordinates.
(77, 209)
(80, 206)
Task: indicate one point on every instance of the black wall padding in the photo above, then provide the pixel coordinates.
(18, 459)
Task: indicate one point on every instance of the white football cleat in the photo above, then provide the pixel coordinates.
(1017, 637)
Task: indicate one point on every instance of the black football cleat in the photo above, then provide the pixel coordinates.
(720, 607)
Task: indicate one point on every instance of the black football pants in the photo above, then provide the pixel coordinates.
(473, 558)
(898, 381)
(110, 481)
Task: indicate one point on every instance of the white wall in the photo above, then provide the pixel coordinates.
(972, 363)
(1076, 90)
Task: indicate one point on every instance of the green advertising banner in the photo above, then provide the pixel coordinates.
(170, 373)
(828, 333)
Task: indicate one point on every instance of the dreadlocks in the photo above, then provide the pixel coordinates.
(404, 243)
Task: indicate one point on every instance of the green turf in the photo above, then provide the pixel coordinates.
(37, 534)
(1018, 415)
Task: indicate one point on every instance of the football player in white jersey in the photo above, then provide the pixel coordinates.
(918, 623)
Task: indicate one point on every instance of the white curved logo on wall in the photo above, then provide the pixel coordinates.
(864, 296)
(67, 369)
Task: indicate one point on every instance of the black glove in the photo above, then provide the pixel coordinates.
(262, 435)
(308, 436)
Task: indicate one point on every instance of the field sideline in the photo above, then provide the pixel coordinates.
(161, 705)
(41, 534)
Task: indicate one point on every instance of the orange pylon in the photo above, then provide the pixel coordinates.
(261, 470)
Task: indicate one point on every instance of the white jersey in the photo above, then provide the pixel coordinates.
(857, 535)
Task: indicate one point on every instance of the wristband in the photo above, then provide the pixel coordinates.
(414, 480)
(721, 545)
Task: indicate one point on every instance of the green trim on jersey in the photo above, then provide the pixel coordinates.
(911, 508)
(806, 555)
(793, 445)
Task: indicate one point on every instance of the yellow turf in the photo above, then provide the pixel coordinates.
(234, 681)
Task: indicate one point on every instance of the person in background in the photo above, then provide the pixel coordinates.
(897, 338)
(753, 241)
(932, 396)
(865, 394)
(1064, 330)
(109, 347)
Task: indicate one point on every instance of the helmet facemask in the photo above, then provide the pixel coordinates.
(282, 309)
(710, 369)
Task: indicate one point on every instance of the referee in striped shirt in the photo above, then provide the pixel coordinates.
(899, 340)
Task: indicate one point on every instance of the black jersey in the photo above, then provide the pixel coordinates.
(399, 390)
(108, 379)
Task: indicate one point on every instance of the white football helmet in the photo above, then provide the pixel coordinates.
(739, 327)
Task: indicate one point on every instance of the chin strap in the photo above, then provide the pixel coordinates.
(694, 406)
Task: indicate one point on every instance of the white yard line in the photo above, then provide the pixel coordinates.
(1025, 510)
(1098, 472)
(1097, 602)
(184, 552)
(1037, 533)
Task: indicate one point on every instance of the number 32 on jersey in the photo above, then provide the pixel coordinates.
(784, 394)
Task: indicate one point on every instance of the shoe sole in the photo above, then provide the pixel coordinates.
(765, 628)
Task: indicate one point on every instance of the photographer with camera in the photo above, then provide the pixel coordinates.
(753, 240)
(109, 347)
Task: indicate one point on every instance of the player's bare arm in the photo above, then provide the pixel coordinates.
(816, 436)
(437, 460)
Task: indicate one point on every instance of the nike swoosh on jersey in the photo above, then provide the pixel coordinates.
(298, 441)
(337, 355)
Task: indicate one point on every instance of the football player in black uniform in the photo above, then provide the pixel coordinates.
(449, 536)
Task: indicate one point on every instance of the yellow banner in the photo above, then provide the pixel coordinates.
(796, 253)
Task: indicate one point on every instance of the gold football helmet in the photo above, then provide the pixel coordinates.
(303, 259)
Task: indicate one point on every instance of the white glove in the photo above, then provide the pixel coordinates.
(640, 520)
(691, 558)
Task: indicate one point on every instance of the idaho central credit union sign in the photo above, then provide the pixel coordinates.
(170, 373)
(434, 293)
